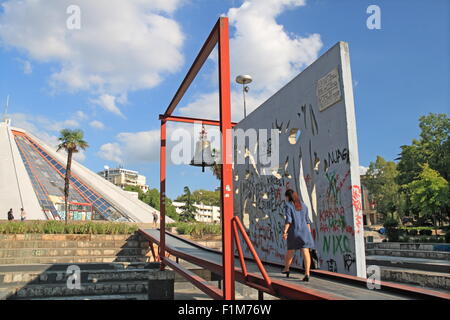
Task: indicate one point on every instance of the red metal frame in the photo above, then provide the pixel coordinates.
(198, 281)
(219, 35)
(192, 120)
(237, 225)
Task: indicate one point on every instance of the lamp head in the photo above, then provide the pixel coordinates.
(244, 79)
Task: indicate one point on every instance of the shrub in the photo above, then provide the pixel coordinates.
(197, 229)
(393, 234)
(390, 223)
(73, 227)
(425, 232)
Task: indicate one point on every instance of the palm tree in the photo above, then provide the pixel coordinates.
(71, 141)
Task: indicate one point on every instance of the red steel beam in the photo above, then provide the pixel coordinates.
(253, 252)
(162, 195)
(204, 53)
(239, 248)
(196, 280)
(192, 120)
(226, 168)
(219, 35)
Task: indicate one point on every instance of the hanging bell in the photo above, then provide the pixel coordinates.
(203, 156)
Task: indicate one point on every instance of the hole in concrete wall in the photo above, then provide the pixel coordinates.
(276, 174)
(316, 163)
(294, 135)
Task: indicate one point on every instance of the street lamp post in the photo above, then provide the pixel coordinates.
(244, 80)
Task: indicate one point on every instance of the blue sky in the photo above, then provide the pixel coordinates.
(56, 78)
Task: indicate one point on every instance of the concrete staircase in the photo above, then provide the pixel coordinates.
(412, 250)
(35, 266)
(46, 249)
(97, 281)
(421, 264)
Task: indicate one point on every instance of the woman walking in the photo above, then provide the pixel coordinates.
(297, 232)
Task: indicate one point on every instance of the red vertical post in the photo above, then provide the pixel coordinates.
(162, 195)
(227, 170)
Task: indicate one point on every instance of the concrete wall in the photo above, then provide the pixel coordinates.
(322, 165)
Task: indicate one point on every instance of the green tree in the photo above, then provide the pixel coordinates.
(380, 181)
(72, 141)
(429, 193)
(433, 148)
(188, 208)
(207, 197)
(151, 197)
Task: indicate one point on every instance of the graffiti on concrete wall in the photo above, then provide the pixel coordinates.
(317, 158)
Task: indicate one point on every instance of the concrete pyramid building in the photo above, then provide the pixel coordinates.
(32, 177)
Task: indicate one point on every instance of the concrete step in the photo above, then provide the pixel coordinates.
(409, 246)
(424, 279)
(70, 237)
(34, 244)
(73, 259)
(80, 252)
(410, 263)
(437, 255)
(96, 273)
(98, 297)
(31, 291)
(87, 276)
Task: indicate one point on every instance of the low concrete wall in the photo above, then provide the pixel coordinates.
(409, 246)
(416, 277)
(72, 248)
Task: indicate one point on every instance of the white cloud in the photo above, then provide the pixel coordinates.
(111, 152)
(26, 66)
(45, 129)
(206, 105)
(143, 146)
(262, 48)
(122, 45)
(79, 156)
(132, 147)
(108, 102)
(97, 124)
(36, 125)
(363, 170)
(80, 115)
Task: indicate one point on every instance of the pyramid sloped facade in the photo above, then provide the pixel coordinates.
(32, 177)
